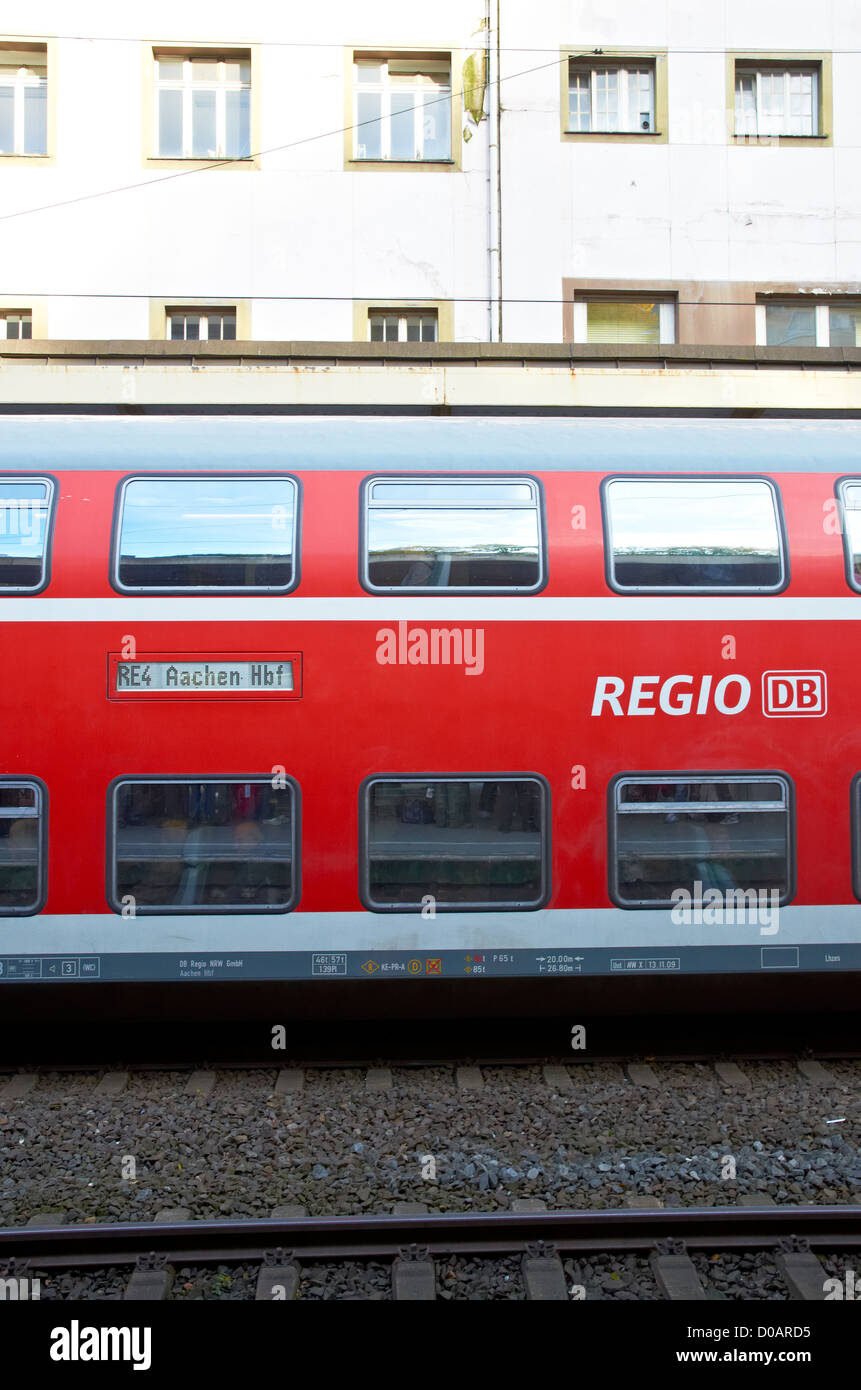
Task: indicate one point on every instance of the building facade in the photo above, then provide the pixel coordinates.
(571, 171)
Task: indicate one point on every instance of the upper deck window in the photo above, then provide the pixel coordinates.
(453, 534)
(22, 847)
(695, 535)
(25, 514)
(206, 532)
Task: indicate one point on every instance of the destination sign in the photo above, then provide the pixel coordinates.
(215, 676)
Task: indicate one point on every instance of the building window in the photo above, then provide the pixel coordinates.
(207, 533)
(471, 844)
(201, 325)
(604, 320)
(611, 98)
(776, 100)
(454, 534)
(809, 323)
(402, 326)
(673, 831)
(693, 534)
(23, 817)
(26, 510)
(204, 844)
(402, 108)
(24, 101)
(203, 107)
(16, 323)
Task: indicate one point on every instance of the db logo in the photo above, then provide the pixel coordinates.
(791, 693)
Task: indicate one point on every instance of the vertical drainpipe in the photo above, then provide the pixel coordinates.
(499, 167)
(493, 184)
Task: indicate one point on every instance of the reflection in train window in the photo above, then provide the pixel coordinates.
(459, 842)
(22, 847)
(849, 491)
(206, 532)
(453, 533)
(693, 533)
(25, 513)
(224, 844)
(725, 831)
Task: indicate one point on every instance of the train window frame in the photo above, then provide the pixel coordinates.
(28, 591)
(719, 589)
(42, 842)
(840, 487)
(698, 775)
(365, 504)
(421, 779)
(203, 909)
(855, 832)
(190, 590)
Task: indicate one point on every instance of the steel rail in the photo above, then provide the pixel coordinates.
(363, 1237)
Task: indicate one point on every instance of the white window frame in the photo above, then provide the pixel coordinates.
(188, 86)
(777, 69)
(623, 72)
(204, 315)
(384, 90)
(22, 80)
(402, 316)
(666, 319)
(24, 316)
(822, 318)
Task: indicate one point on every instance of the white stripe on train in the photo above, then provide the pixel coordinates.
(452, 608)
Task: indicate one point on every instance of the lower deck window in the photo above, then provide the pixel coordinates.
(724, 832)
(462, 842)
(226, 844)
(21, 847)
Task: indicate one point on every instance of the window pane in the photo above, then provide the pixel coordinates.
(238, 124)
(745, 103)
(24, 513)
(20, 847)
(204, 70)
(579, 101)
(228, 326)
(214, 533)
(679, 533)
(192, 327)
(7, 120)
(413, 329)
(237, 70)
(459, 493)
(376, 322)
(729, 842)
(624, 322)
(607, 99)
(436, 132)
(392, 326)
(223, 845)
(845, 327)
(177, 326)
(851, 495)
(170, 69)
(403, 125)
(26, 328)
(640, 103)
(790, 325)
(170, 124)
(429, 327)
(36, 119)
(473, 844)
(203, 144)
(368, 126)
(460, 544)
(369, 71)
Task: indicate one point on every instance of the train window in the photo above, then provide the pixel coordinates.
(22, 847)
(693, 534)
(213, 844)
(206, 532)
(454, 534)
(726, 831)
(25, 515)
(462, 843)
(849, 492)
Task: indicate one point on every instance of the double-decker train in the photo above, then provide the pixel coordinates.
(405, 701)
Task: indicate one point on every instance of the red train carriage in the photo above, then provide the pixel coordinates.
(330, 699)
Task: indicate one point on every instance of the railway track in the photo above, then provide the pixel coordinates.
(419, 1248)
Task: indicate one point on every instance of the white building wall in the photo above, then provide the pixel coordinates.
(301, 237)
